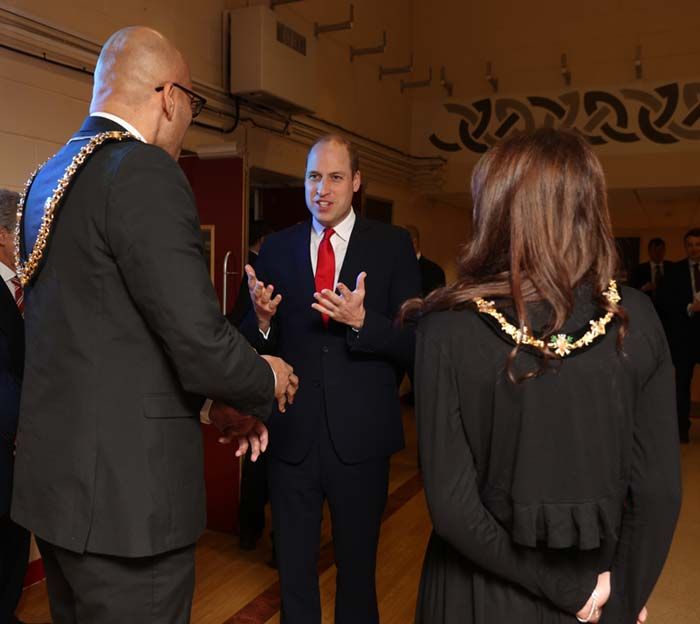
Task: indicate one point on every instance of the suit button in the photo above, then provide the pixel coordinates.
(324, 348)
(317, 384)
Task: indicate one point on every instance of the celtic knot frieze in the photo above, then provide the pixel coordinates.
(667, 114)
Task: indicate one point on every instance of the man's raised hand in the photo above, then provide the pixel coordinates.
(264, 304)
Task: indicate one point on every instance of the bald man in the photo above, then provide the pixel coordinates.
(124, 338)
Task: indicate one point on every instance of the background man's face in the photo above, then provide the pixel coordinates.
(329, 183)
(657, 253)
(692, 247)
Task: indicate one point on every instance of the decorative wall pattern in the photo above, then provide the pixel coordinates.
(667, 114)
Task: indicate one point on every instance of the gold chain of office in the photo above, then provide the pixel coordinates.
(26, 270)
(561, 344)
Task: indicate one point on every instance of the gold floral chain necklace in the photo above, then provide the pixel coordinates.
(26, 270)
(561, 344)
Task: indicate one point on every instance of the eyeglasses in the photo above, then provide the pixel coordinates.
(197, 102)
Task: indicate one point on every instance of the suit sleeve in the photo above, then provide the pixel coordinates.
(654, 495)
(452, 491)
(153, 231)
(381, 334)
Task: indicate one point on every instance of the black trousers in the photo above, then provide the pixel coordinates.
(356, 495)
(14, 556)
(101, 589)
(254, 496)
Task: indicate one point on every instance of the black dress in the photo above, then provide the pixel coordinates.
(535, 488)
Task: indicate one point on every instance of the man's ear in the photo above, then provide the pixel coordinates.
(356, 181)
(168, 101)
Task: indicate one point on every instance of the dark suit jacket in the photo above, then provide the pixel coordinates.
(11, 365)
(350, 377)
(675, 296)
(431, 275)
(642, 274)
(242, 304)
(124, 337)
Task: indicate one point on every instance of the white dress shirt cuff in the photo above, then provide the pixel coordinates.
(265, 334)
(204, 412)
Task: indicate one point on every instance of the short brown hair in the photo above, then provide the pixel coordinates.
(341, 140)
(8, 209)
(695, 232)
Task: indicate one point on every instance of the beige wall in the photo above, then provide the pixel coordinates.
(524, 41)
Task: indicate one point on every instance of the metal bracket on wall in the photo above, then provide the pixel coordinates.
(418, 84)
(378, 49)
(387, 71)
(444, 83)
(490, 78)
(565, 71)
(274, 3)
(320, 29)
(638, 68)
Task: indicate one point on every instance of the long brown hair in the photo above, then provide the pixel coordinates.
(541, 228)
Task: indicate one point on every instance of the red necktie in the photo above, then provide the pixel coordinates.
(325, 266)
(19, 293)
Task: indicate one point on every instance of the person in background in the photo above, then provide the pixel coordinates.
(335, 442)
(680, 303)
(14, 539)
(124, 339)
(545, 409)
(254, 489)
(431, 274)
(256, 235)
(649, 276)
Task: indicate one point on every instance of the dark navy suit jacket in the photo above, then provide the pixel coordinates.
(350, 378)
(11, 364)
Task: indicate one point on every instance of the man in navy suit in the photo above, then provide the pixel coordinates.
(335, 441)
(680, 302)
(14, 540)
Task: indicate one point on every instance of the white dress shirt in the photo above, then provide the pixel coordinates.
(124, 124)
(6, 273)
(339, 242)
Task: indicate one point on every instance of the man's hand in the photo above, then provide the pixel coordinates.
(695, 306)
(287, 382)
(649, 287)
(348, 307)
(244, 430)
(264, 304)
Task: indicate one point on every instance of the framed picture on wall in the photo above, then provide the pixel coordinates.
(208, 243)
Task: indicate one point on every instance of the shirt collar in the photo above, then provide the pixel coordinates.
(124, 124)
(343, 229)
(6, 272)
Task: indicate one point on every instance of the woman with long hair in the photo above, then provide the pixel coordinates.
(545, 406)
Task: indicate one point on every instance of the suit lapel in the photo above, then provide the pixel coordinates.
(303, 270)
(354, 256)
(10, 318)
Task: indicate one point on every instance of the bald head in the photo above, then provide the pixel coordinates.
(132, 63)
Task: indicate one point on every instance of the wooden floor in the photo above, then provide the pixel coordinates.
(235, 587)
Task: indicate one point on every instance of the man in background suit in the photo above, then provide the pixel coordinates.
(649, 276)
(431, 274)
(124, 338)
(335, 442)
(680, 301)
(14, 540)
(254, 490)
